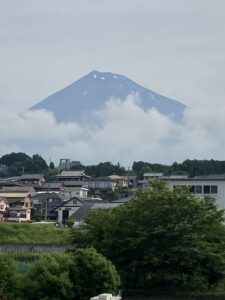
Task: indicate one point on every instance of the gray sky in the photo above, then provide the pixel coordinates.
(174, 47)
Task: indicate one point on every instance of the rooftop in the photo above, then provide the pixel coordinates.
(101, 179)
(17, 189)
(51, 185)
(219, 177)
(31, 176)
(72, 173)
(117, 177)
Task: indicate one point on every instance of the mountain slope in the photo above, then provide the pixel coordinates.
(77, 101)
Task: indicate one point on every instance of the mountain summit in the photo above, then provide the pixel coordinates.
(77, 101)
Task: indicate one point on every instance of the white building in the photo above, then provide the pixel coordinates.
(101, 183)
(211, 185)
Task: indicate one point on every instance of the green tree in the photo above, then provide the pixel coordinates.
(12, 158)
(163, 240)
(105, 169)
(92, 274)
(7, 276)
(51, 165)
(40, 164)
(78, 275)
(48, 278)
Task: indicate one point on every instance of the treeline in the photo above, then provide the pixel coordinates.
(102, 169)
(188, 167)
(19, 163)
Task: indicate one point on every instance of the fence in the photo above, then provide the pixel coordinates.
(36, 248)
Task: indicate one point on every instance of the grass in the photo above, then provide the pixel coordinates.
(18, 233)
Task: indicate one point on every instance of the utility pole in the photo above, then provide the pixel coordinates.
(46, 209)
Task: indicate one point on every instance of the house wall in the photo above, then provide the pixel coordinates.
(76, 191)
(220, 184)
(2, 206)
(122, 183)
(19, 216)
(1, 217)
(101, 185)
(60, 210)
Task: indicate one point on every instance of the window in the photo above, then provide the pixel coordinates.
(214, 189)
(191, 188)
(198, 189)
(206, 189)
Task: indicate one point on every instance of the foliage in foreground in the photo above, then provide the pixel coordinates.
(92, 274)
(163, 241)
(7, 276)
(79, 275)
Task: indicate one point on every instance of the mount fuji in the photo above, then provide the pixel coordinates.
(78, 101)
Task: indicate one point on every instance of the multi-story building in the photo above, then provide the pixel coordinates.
(72, 176)
(19, 201)
(211, 185)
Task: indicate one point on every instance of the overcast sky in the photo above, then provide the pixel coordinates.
(174, 47)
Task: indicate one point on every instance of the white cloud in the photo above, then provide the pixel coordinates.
(125, 133)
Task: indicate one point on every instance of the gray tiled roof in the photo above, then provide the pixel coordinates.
(73, 173)
(17, 189)
(8, 183)
(73, 183)
(82, 212)
(101, 179)
(51, 185)
(123, 200)
(30, 176)
(85, 209)
(105, 205)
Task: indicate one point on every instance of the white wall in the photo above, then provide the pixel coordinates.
(220, 196)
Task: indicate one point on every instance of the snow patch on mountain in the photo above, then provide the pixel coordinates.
(76, 102)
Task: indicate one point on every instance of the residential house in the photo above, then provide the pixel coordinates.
(101, 183)
(32, 179)
(19, 200)
(45, 203)
(76, 188)
(67, 208)
(56, 187)
(5, 182)
(72, 176)
(121, 182)
(132, 180)
(3, 209)
(83, 211)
